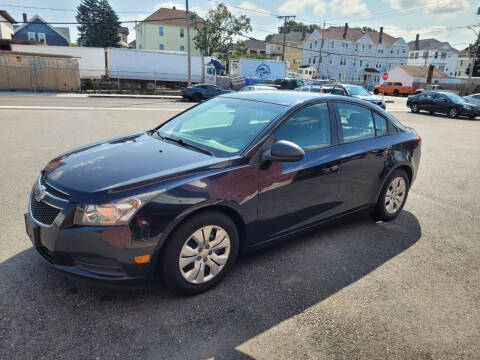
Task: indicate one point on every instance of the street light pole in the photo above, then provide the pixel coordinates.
(472, 66)
(189, 66)
(284, 30)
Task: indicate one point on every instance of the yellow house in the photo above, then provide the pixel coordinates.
(165, 29)
(293, 48)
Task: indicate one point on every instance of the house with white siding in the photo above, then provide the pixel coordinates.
(428, 52)
(352, 55)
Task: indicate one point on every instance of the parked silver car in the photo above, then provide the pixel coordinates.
(257, 87)
(474, 98)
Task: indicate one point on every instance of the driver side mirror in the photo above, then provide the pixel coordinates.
(284, 151)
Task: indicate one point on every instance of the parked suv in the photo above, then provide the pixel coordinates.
(356, 91)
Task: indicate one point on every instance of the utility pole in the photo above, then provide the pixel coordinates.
(472, 67)
(189, 66)
(284, 31)
(321, 48)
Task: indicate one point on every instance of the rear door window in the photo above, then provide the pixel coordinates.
(357, 122)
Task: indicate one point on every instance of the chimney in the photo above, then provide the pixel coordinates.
(345, 31)
(417, 42)
(174, 8)
(380, 35)
(25, 20)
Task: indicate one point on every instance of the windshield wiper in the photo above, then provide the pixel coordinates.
(185, 144)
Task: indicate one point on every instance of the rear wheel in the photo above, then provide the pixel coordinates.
(392, 197)
(471, 117)
(375, 91)
(432, 112)
(396, 92)
(197, 97)
(414, 108)
(199, 253)
(453, 112)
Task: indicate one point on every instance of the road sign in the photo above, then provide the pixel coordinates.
(385, 76)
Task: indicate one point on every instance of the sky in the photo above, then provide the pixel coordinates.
(444, 20)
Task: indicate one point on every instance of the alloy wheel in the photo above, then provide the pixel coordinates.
(414, 107)
(453, 112)
(395, 195)
(204, 254)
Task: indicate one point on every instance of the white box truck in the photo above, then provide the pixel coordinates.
(257, 68)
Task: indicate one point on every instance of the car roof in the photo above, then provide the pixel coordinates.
(290, 97)
(273, 96)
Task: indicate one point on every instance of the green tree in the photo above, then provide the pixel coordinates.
(98, 24)
(215, 35)
(299, 26)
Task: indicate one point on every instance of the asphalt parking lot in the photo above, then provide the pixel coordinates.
(407, 289)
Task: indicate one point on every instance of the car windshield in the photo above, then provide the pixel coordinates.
(223, 126)
(356, 90)
(454, 97)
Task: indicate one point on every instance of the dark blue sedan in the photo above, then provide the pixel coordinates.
(227, 176)
(199, 92)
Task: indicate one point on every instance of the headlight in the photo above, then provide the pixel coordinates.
(468, 107)
(116, 213)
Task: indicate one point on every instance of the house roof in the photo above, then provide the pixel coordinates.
(62, 31)
(255, 44)
(422, 71)
(123, 30)
(292, 36)
(7, 16)
(354, 34)
(170, 17)
(426, 44)
(7, 52)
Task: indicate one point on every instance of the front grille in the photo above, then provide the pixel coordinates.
(51, 190)
(43, 212)
(47, 254)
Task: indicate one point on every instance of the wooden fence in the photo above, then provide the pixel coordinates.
(31, 72)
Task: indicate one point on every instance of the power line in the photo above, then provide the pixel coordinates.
(57, 9)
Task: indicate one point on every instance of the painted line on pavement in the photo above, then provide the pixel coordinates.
(26, 107)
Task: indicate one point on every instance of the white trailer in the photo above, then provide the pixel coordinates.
(165, 66)
(91, 60)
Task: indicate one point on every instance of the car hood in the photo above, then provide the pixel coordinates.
(368, 97)
(122, 163)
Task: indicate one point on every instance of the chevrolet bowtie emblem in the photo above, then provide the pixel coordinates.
(40, 193)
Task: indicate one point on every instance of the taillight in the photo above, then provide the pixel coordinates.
(323, 90)
(419, 141)
(183, 89)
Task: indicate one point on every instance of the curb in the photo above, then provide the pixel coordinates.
(135, 96)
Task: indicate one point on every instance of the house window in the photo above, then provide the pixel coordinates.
(416, 55)
(443, 55)
(436, 55)
(31, 36)
(363, 47)
(391, 51)
(314, 60)
(332, 44)
(441, 67)
(309, 60)
(161, 47)
(361, 63)
(398, 52)
(425, 54)
(41, 37)
(182, 33)
(182, 48)
(160, 31)
(310, 45)
(315, 43)
(356, 47)
(369, 47)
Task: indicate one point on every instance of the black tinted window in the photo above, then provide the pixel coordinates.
(357, 122)
(338, 91)
(309, 128)
(380, 124)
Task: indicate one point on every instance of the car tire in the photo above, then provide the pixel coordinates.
(471, 117)
(414, 107)
(432, 112)
(197, 97)
(375, 91)
(192, 278)
(452, 112)
(396, 92)
(396, 187)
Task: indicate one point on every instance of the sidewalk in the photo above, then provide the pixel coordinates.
(136, 96)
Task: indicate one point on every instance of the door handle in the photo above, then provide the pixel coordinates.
(330, 169)
(381, 151)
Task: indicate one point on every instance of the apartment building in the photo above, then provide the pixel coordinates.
(428, 52)
(165, 29)
(353, 55)
(293, 48)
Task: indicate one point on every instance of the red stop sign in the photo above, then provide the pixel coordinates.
(385, 76)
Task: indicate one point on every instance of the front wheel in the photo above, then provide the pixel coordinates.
(414, 108)
(197, 97)
(199, 253)
(375, 91)
(396, 92)
(453, 112)
(392, 197)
